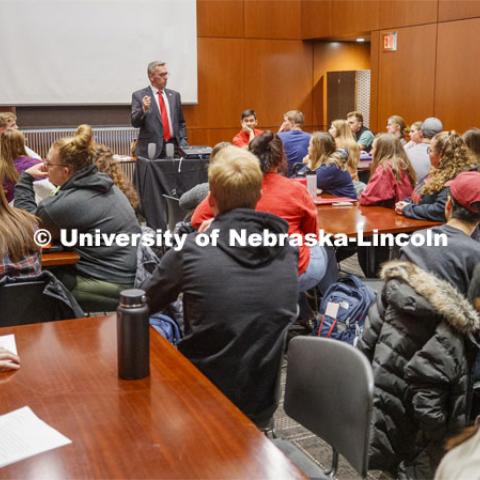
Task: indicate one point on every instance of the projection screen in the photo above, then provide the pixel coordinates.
(93, 52)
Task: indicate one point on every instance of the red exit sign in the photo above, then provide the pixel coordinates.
(389, 41)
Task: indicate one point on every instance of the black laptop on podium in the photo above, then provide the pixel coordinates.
(196, 151)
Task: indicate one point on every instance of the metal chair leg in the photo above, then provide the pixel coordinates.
(332, 473)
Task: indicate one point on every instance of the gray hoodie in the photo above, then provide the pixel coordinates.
(90, 203)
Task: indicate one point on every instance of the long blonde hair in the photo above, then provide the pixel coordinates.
(324, 151)
(77, 152)
(106, 164)
(389, 151)
(455, 157)
(16, 231)
(12, 146)
(398, 120)
(344, 139)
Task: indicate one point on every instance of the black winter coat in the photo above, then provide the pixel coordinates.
(419, 339)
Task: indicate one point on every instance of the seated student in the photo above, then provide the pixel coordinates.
(238, 300)
(190, 199)
(19, 254)
(456, 262)
(418, 153)
(13, 159)
(106, 164)
(287, 199)
(449, 156)
(363, 136)
(418, 339)
(344, 139)
(86, 202)
(396, 126)
(415, 135)
(463, 458)
(329, 165)
(472, 140)
(392, 177)
(248, 132)
(8, 121)
(295, 140)
(8, 360)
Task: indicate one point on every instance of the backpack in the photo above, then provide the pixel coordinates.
(343, 310)
(167, 327)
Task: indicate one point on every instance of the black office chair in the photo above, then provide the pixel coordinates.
(329, 390)
(175, 213)
(42, 299)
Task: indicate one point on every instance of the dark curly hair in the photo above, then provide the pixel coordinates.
(268, 148)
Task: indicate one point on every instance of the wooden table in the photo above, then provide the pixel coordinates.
(56, 259)
(369, 220)
(351, 220)
(174, 424)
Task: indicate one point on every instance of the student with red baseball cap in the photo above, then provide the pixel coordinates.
(454, 263)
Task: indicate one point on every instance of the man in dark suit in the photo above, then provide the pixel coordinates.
(157, 111)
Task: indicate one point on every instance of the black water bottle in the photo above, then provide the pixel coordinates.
(133, 343)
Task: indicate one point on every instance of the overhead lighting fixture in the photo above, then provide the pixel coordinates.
(360, 39)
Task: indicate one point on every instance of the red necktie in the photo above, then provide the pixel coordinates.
(164, 115)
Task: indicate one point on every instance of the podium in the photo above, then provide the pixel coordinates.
(169, 176)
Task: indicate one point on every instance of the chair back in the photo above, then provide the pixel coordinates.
(175, 213)
(25, 302)
(329, 391)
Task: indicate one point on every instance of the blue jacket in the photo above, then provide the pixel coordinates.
(335, 181)
(430, 207)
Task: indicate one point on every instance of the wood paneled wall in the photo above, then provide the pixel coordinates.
(433, 72)
(406, 77)
(250, 55)
(458, 9)
(347, 18)
(457, 91)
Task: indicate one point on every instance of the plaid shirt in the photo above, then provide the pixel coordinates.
(29, 266)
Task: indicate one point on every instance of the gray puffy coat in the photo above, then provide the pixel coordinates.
(419, 339)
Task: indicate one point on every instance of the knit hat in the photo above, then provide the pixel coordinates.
(431, 126)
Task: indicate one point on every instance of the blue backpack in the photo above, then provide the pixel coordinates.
(343, 310)
(167, 327)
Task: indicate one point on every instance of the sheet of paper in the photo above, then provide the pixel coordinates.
(8, 342)
(23, 434)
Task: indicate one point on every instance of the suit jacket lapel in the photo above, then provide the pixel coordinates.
(171, 103)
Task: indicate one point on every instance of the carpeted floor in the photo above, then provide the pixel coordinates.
(316, 449)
